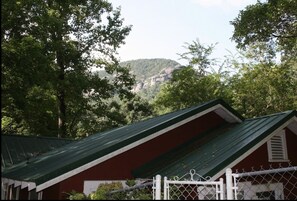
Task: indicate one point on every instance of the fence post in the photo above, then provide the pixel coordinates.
(158, 187)
(165, 189)
(229, 186)
(222, 189)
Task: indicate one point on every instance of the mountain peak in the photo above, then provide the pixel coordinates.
(151, 72)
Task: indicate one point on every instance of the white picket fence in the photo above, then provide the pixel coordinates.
(272, 184)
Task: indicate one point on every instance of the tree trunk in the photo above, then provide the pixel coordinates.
(62, 115)
(61, 97)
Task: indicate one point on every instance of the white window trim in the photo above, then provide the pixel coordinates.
(249, 191)
(282, 134)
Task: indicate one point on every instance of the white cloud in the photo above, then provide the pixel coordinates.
(225, 4)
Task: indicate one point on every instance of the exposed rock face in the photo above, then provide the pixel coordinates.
(164, 75)
(149, 74)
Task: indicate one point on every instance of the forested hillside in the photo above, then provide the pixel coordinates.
(145, 68)
(149, 74)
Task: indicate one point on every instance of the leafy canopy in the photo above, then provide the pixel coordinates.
(272, 22)
(49, 49)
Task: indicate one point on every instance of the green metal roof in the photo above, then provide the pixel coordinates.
(214, 150)
(64, 159)
(18, 148)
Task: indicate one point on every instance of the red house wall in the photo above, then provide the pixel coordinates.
(52, 192)
(120, 166)
(23, 194)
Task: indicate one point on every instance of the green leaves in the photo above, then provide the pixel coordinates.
(193, 84)
(272, 22)
(49, 50)
(264, 31)
(259, 86)
(198, 56)
(264, 89)
(188, 88)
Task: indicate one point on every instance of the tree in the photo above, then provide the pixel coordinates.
(136, 109)
(263, 88)
(187, 88)
(48, 51)
(273, 23)
(263, 30)
(117, 113)
(198, 55)
(193, 84)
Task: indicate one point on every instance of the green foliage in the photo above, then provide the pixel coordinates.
(260, 85)
(115, 113)
(130, 182)
(187, 88)
(262, 89)
(144, 68)
(273, 23)
(73, 195)
(103, 192)
(193, 84)
(9, 126)
(257, 87)
(263, 85)
(150, 92)
(198, 56)
(48, 51)
(114, 191)
(136, 109)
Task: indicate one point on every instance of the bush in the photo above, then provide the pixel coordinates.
(103, 192)
(114, 191)
(73, 195)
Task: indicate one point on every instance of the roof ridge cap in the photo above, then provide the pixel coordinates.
(273, 114)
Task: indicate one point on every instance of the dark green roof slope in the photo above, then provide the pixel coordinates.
(74, 155)
(225, 146)
(18, 148)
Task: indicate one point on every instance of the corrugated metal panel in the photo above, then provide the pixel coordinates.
(18, 148)
(209, 158)
(71, 156)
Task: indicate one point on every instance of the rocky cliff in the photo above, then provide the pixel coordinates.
(161, 77)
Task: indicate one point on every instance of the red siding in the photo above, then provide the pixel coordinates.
(292, 146)
(51, 193)
(120, 166)
(24, 194)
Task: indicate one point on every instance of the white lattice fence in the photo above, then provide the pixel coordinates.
(269, 184)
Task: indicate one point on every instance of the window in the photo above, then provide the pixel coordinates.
(277, 148)
(266, 195)
(269, 191)
(210, 191)
(207, 192)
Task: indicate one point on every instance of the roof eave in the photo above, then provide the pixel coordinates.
(290, 119)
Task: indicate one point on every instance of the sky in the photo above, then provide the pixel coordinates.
(161, 28)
